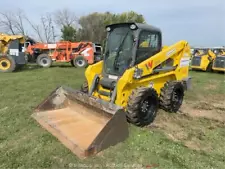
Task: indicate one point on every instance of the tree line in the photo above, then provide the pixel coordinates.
(64, 25)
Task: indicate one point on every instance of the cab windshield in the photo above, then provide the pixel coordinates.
(200, 52)
(118, 53)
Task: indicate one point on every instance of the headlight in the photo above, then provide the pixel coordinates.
(137, 73)
(108, 29)
(133, 26)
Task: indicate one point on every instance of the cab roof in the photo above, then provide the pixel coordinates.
(139, 25)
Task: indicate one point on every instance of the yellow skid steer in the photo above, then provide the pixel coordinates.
(203, 59)
(135, 79)
(219, 61)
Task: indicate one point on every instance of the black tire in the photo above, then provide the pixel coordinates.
(7, 64)
(142, 106)
(171, 96)
(84, 87)
(80, 62)
(44, 60)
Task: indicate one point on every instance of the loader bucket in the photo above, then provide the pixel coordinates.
(84, 124)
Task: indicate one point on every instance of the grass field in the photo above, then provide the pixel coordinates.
(193, 138)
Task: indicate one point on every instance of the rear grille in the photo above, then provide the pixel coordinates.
(196, 61)
(219, 62)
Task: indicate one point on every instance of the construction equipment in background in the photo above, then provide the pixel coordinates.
(130, 84)
(202, 59)
(219, 61)
(79, 54)
(12, 55)
(37, 48)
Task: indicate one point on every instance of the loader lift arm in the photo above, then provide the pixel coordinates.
(157, 63)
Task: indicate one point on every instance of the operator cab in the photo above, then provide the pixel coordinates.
(219, 51)
(200, 52)
(128, 44)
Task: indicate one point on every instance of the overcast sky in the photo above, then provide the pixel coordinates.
(200, 22)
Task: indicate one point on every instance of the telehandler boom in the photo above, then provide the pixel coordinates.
(134, 79)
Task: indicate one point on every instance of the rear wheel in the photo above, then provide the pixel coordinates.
(7, 64)
(142, 106)
(44, 60)
(80, 62)
(171, 96)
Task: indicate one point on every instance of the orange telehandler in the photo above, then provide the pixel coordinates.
(79, 54)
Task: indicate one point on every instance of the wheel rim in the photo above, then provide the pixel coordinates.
(4, 64)
(44, 61)
(148, 108)
(177, 99)
(80, 62)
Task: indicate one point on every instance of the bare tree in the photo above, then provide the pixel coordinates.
(46, 22)
(65, 17)
(13, 23)
(6, 22)
(44, 29)
(37, 30)
(19, 21)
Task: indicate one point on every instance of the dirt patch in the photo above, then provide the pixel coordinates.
(186, 126)
(211, 87)
(205, 110)
(177, 129)
(193, 145)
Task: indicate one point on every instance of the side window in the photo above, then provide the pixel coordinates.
(148, 45)
(148, 40)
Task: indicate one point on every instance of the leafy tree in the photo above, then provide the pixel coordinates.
(131, 16)
(93, 25)
(69, 33)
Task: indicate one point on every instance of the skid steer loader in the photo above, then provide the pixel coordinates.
(202, 59)
(135, 79)
(219, 61)
(12, 55)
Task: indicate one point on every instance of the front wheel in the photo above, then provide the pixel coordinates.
(142, 106)
(7, 64)
(44, 60)
(80, 62)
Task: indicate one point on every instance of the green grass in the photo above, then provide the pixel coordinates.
(207, 85)
(24, 144)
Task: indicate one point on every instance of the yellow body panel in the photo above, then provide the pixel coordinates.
(222, 54)
(5, 39)
(179, 53)
(204, 62)
(92, 70)
(219, 69)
